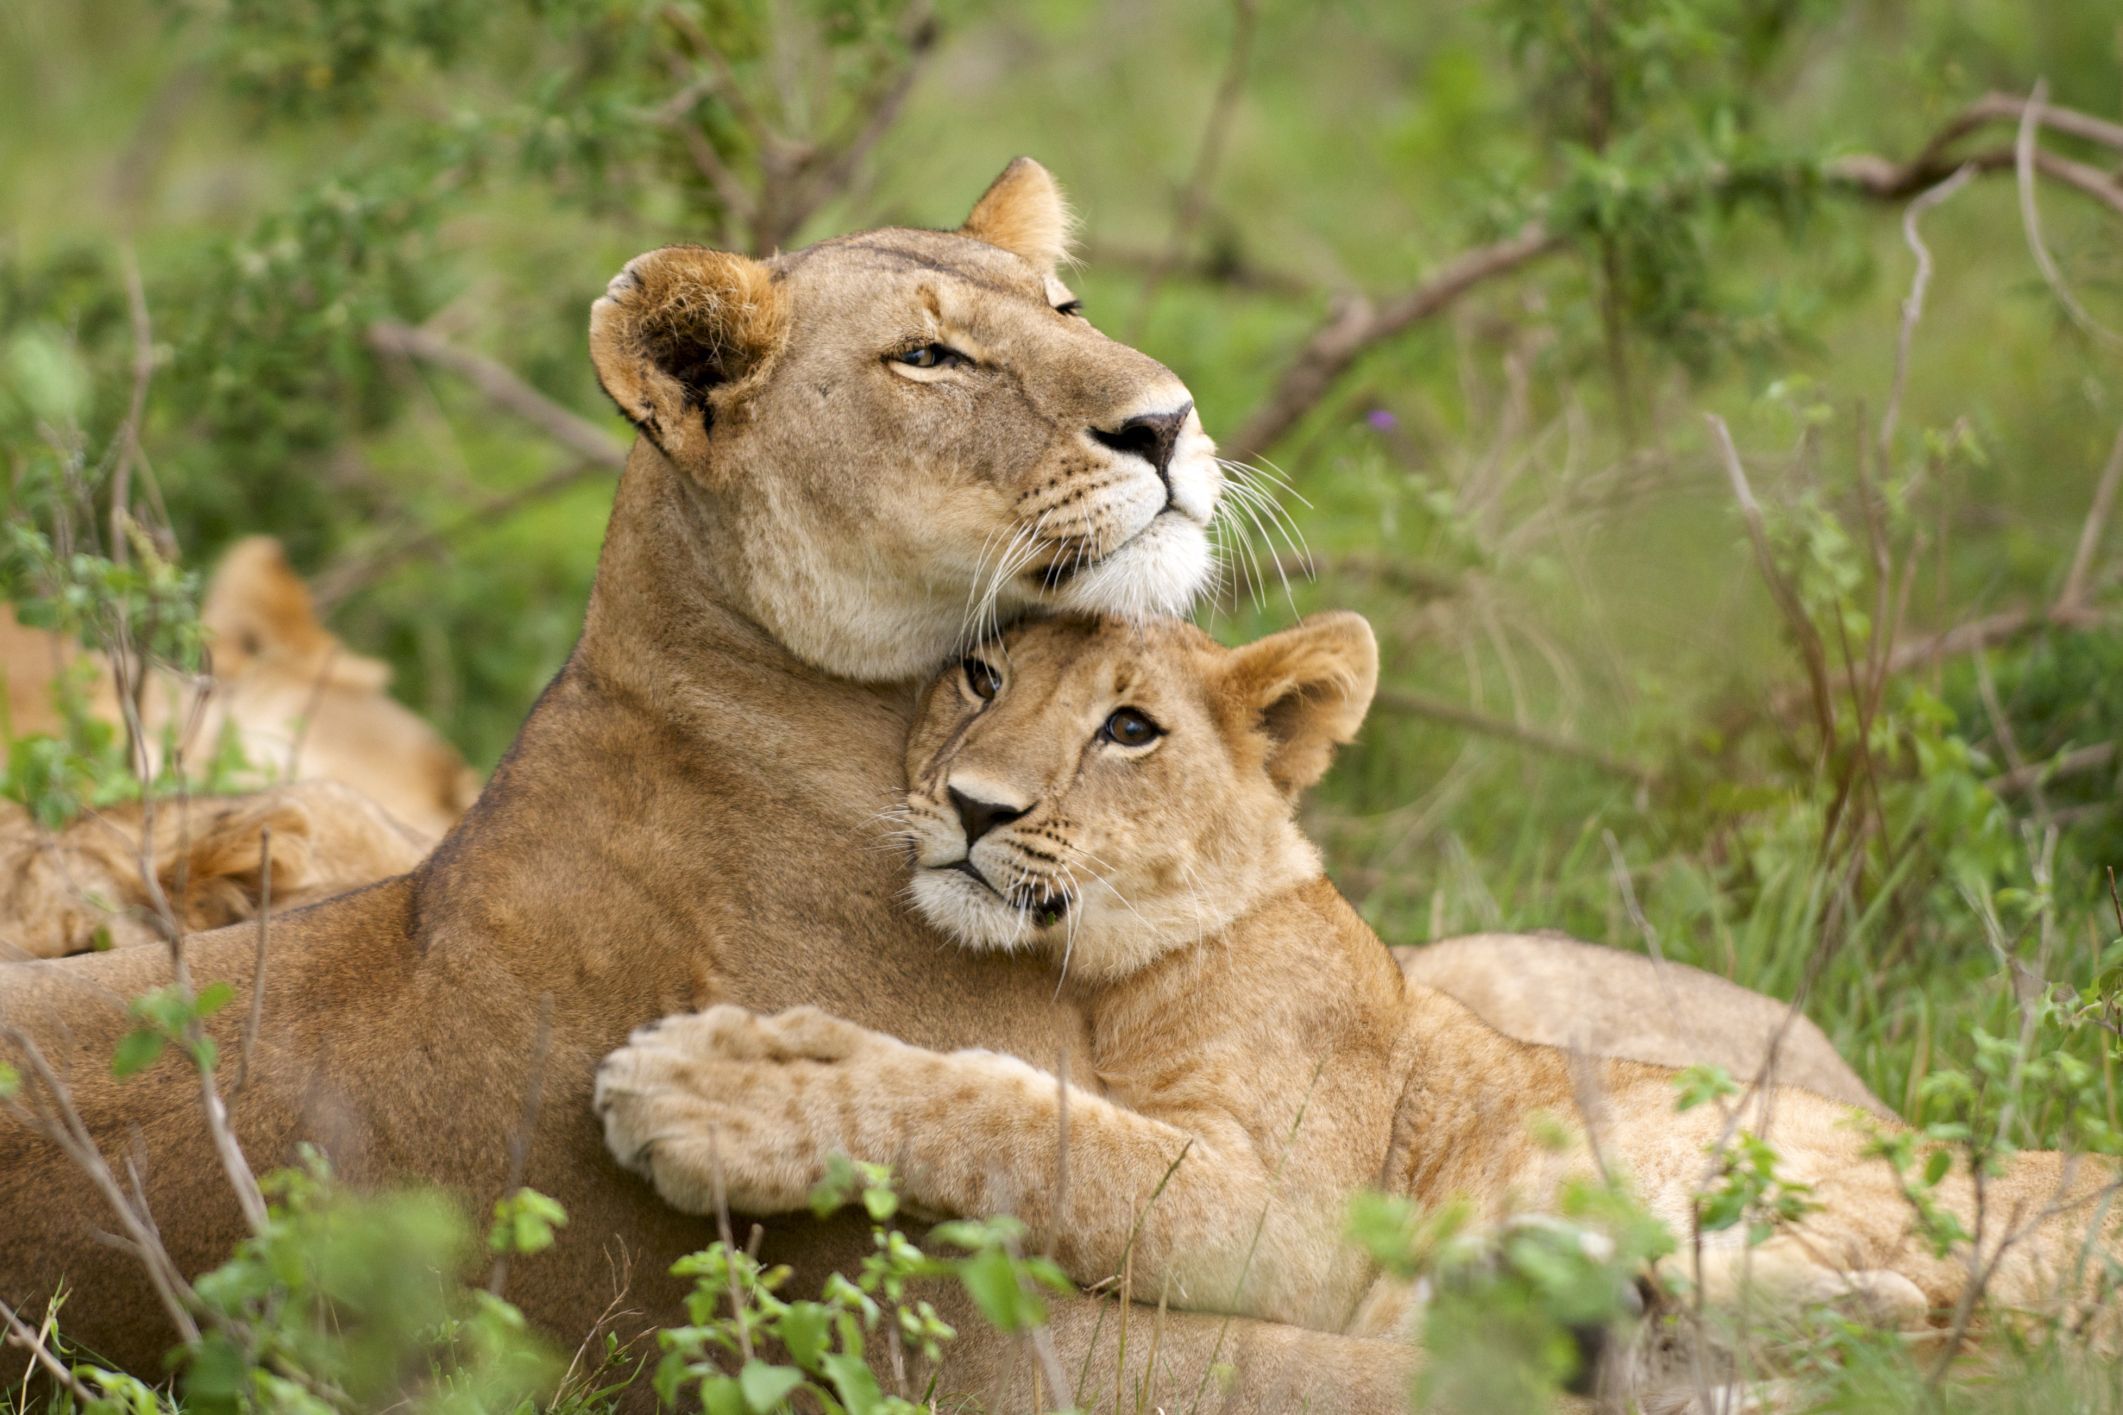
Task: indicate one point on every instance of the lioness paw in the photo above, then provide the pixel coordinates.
(727, 1100)
(1788, 1279)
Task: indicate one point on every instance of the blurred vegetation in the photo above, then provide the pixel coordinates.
(1606, 711)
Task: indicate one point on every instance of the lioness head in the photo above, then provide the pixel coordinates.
(911, 435)
(1110, 790)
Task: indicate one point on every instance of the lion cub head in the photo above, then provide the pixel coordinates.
(1110, 790)
(909, 436)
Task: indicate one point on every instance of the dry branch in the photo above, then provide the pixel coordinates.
(2072, 763)
(2073, 595)
(1356, 324)
(1194, 193)
(503, 388)
(1780, 589)
(1552, 744)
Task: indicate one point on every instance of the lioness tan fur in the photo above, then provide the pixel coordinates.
(816, 512)
(1564, 992)
(808, 523)
(83, 887)
(303, 705)
(1118, 799)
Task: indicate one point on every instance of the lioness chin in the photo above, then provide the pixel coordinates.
(1118, 799)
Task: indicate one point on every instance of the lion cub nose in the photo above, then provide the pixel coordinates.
(1150, 436)
(980, 817)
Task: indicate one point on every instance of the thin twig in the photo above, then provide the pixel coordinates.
(526, 1127)
(1355, 324)
(128, 440)
(1439, 710)
(2073, 595)
(410, 539)
(503, 388)
(2023, 152)
(1913, 305)
(1787, 599)
(265, 920)
(1208, 155)
(21, 1334)
(2072, 763)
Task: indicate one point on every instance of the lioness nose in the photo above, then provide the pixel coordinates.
(980, 817)
(1151, 436)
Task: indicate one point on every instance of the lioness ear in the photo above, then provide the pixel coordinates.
(1025, 214)
(681, 333)
(1308, 689)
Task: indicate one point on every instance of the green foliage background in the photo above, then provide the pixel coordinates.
(1521, 493)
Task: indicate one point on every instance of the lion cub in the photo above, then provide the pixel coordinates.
(1120, 799)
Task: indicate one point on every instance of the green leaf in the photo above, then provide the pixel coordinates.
(524, 1222)
(991, 1278)
(720, 1395)
(806, 1330)
(853, 1382)
(10, 1081)
(136, 1052)
(1936, 1166)
(212, 998)
(767, 1387)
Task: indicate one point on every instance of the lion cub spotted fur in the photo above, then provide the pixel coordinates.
(1121, 798)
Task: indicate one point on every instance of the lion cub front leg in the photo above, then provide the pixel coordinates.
(760, 1104)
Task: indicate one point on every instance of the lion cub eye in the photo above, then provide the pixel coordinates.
(931, 356)
(1129, 728)
(983, 680)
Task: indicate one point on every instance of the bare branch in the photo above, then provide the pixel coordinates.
(2029, 774)
(1194, 192)
(265, 920)
(1453, 714)
(1913, 306)
(503, 388)
(128, 440)
(1215, 267)
(359, 570)
(20, 1333)
(2023, 152)
(1787, 599)
(831, 169)
(1355, 325)
(2073, 595)
(2011, 108)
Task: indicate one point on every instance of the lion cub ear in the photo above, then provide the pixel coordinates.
(681, 334)
(1307, 689)
(1024, 213)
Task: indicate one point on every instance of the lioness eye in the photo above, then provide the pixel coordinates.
(983, 680)
(1075, 307)
(1129, 728)
(931, 356)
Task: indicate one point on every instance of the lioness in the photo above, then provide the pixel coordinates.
(80, 888)
(1118, 799)
(849, 456)
(300, 701)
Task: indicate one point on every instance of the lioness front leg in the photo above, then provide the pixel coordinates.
(759, 1104)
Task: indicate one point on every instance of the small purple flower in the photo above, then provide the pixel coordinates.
(1381, 420)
